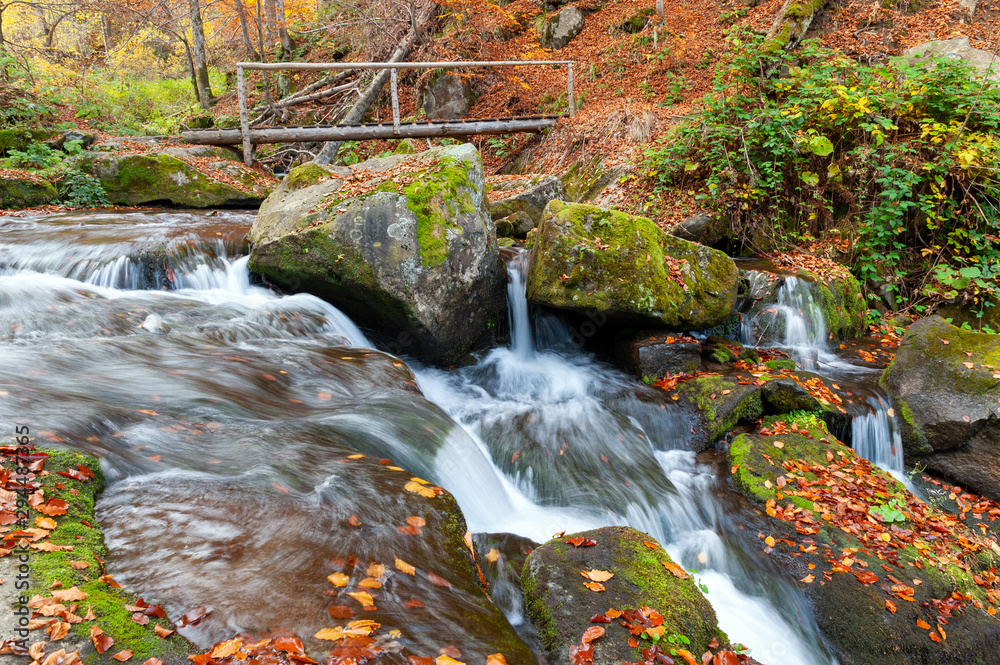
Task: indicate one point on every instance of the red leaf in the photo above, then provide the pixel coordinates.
(580, 541)
(440, 581)
(194, 617)
(140, 619)
(581, 654)
(290, 644)
(600, 618)
(591, 634)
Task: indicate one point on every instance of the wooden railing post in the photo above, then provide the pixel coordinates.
(395, 102)
(244, 118)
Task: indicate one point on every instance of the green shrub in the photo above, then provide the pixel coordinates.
(899, 160)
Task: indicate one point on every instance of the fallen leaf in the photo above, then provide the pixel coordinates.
(413, 520)
(439, 581)
(597, 575)
(37, 650)
(675, 570)
(496, 659)
(404, 567)
(362, 597)
(891, 606)
(79, 565)
(923, 624)
(338, 579)
(331, 634)
(161, 632)
(447, 660)
(591, 634)
(102, 642)
(808, 579)
(594, 586)
(122, 656)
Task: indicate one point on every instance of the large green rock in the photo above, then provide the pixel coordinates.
(944, 384)
(25, 192)
(561, 606)
(836, 551)
(165, 178)
(718, 403)
(587, 259)
(410, 251)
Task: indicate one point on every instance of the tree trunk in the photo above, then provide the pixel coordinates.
(286, 40)
(371, 93)
(270, 20)
(247, 42)
(791, 24)
(191, 69)
(200, 59)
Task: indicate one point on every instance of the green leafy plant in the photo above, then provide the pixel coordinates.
(80, 190)
(890, 511)
(900, 157)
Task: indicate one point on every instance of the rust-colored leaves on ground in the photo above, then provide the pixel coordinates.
(597, 575)
(580, 541)
(675, 570)
(101, 640)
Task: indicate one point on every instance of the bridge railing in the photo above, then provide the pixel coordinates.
(392, 66)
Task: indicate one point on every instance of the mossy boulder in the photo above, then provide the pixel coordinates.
(943, 381)
(709, 230)
(784, 395)
(21, 138)
(867, 593)
(561, 606)
(651, 354)
(587, 181)
(25, 191)
(638, 21)
(411, 251)
(587, 260)
(528, 196)
(140, 179)
(718, 403)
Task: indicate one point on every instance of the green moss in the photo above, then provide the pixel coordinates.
(16, 193)
(305, 175)
(777, 365)
(592, 259)
(722, 412)
(108, 603)
(436, 196)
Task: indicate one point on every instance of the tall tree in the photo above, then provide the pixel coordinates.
(200, 58)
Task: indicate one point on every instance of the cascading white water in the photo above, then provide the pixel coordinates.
(875, 436)
(537, 397)
(521, 342)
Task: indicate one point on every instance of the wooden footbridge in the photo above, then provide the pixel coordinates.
(249, 136)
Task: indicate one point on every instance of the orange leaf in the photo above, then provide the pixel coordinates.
(161, 632)
(496, 659)
(591, 634)
(675, 570)
(404, 567)
(597, 575)
(338, 579)
(594, 586)
(102, 642)
(122, 656)
(891, 606)
(362, 597)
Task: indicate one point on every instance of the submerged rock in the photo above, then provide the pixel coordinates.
(882, 570)
(561, 606)
(943, 382)
(369, 543)
(137, 179)
(25, 191)
(587, 259)
(408, 248)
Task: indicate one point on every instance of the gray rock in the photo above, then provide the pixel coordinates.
(959, 48)
(417, 261)
(533, 195)
(785, 395)
(948, 410)
(517, 225)
(448, 96)
(205, 151)
(86, 140)
(650, 355)
(708, 230)
(155, 177)
(557, 31)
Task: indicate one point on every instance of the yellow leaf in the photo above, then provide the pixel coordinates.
(405, 567)
(770, 541)
(376, 570)
(362, 597)
(227, 648)
(420, 489)
(332, 634)
(597, 575)
(594, 586)
(45, 523)
(807, 579)
(338, 579)
(370, 583)
(447, 660)
(675, 570)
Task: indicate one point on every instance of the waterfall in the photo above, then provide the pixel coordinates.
(875, 436)
(521, 342)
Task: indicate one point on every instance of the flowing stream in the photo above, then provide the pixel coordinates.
(224, 413)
